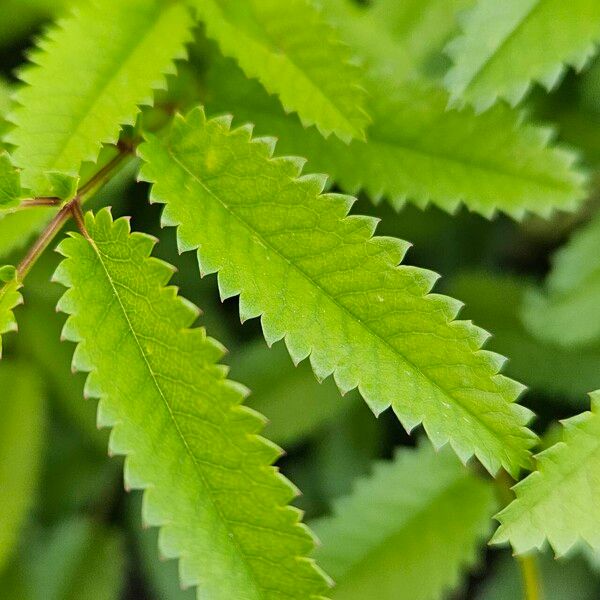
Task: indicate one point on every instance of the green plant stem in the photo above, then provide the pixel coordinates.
(69, 210)
(528, 565)
(531, 577)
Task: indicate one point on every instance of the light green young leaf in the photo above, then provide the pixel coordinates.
(124, 49)
(318, 278)
(567, 313)
(10, 182)
(416, 150)
(76, 560)
(21, 437)
(293, 402)
(10, 298)
(495, 303)
(295, 54)
(559, 501)
(505, 46)
(397, 537)
(223, 510)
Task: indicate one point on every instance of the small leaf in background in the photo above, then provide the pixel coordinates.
(398, 535)
(567, 312)
(506, 46)
(76, 560)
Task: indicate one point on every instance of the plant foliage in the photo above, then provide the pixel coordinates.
(307, 67)
(180, 103)
(506, 46)
(165, 389)
(399, 516)
(558, 501)
(379, 315)
(124, 49)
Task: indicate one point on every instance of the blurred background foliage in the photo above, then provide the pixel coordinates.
(81, 537)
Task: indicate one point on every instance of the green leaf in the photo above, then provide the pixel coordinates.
(77, 560)
(398, 537)
(318, 278)
(293, 402)
(124, 49)
(567, 312)
(505, 46)
(495, 302)
(400, 39)
(416, 150)
(559, 501)
(10, 298)
(189, 442)
(10, 182)
(295, 54)
(21, 438)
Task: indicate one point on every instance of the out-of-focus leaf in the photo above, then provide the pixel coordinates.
(294, 53)
(567, 312)
(417, 150)
(22, 416)
(408, 532)
(77, 560)
(506, 46)
(400, 38)
(295, 404)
